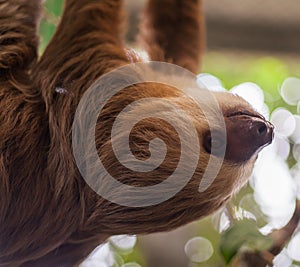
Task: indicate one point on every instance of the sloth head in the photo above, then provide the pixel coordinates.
(210, 166)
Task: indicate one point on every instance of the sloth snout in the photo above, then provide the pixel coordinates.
(246, 135)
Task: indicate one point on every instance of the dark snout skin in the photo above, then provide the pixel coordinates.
(246, 136)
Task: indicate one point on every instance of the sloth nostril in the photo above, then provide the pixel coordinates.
(262, 129)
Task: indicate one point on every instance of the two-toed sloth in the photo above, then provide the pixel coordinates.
(49, 216)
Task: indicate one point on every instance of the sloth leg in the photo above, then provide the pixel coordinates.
(87, 44)
(173, 31)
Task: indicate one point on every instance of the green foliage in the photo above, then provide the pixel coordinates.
(54, 7)
(268, 72)
(52, 11)
(47, 29)
(242, 234)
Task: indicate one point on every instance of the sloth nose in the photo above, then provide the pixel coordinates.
(246, 136)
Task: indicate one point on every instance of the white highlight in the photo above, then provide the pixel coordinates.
(249, 204)
(61, 90)
(221, 221)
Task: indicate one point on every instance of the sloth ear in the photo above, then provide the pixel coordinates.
(173, 31)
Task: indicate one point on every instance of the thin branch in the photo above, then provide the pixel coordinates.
(280, 239)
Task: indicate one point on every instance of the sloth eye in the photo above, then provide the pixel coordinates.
(217, 144)
(238, 113)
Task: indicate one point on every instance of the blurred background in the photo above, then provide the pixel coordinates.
(253, 49)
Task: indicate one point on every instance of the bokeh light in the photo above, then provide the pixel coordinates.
(198, 249)
(211, 82)
(110, 253)
(295, 136)
(252, 93)
(293, 248)
(282, 259)
(284, 122)
(125, 243)
(295, 172)
(274, 188)
(102, 256)
(290, 91)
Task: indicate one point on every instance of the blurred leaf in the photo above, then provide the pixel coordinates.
(242, 233)
(54, 7)
(52, 12)
(46, 32)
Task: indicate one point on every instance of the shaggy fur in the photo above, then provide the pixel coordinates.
(48, 215)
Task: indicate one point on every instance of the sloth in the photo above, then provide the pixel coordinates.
(49, 215)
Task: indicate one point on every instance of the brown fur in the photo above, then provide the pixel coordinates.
(48, 214)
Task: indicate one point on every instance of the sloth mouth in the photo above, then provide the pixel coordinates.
(247, 133)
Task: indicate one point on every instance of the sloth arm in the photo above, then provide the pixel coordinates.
(173, 31)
